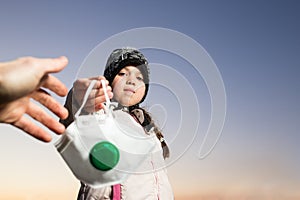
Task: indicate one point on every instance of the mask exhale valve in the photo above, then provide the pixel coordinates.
(104, 156)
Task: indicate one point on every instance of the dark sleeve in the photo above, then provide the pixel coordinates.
(72, 108)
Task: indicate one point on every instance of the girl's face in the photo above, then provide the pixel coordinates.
(128, 86)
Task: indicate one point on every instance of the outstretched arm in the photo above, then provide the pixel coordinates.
(24, 79)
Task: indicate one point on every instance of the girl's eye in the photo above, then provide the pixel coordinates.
(121, 73)
(140, 78)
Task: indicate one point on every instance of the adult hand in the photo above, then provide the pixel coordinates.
(23, 79)
(96, 97)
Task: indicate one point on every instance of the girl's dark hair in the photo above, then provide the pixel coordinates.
(149, 124)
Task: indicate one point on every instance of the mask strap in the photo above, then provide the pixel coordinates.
(105, 93)
(87, 93)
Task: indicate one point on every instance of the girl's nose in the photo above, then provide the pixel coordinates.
(130, 80)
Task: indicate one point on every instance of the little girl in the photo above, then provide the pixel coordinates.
(127, 73)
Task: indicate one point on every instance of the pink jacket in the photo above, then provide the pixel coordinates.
(150, 182)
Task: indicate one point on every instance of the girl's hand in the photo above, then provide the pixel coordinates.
(96, 97)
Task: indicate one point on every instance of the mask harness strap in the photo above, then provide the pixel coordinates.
(87, 93)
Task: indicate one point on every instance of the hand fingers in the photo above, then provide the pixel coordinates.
(95, 105)
(44, 118)
(53, 65)
(80, 88)
(49, 102)
(83, 83)
(32, 129)
(54, 85)
(95, 101)
(97, 96)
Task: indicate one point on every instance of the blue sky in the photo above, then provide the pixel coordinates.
(256, 47)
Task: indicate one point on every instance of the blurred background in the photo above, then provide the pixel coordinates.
(256, 47)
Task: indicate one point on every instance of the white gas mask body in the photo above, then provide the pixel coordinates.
(104, 147)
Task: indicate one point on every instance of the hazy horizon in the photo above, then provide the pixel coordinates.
(255, 46)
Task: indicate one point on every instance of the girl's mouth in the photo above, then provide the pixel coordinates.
(129, 90)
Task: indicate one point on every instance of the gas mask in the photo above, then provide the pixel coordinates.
(104, 147)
